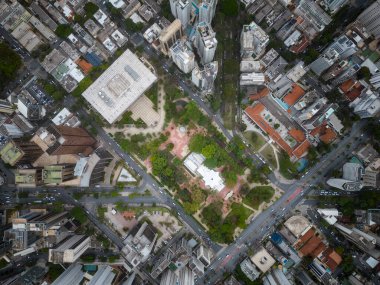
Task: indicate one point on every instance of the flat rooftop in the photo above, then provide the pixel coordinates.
(11, 153)
(119, 86)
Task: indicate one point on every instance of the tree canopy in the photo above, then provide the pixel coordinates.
(63, 31)
(10, 63)
(229, 8)
(132, 26)
(90, 8)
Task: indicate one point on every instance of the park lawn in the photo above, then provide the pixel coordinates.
(269, 155)
(288, 169)
(255, 140)
(254, 197)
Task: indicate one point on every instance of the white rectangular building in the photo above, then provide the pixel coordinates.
(69, 249)
(253, 41)
(211, 178)
(182, 56)
(205, 42)
(252, 79)
(119, 86)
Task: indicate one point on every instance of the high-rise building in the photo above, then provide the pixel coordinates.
(371, 177)
(39, 221)
(335, 5)
(28, 177)
(204, 77)
(205, 42)
(313, 13)
(183, 56)
(207, 10)
(72, 275)
(185, 276)
(341, 49)
(253, 41)
(17, 152)
(375, 80)
(366, 241)
(91, 169)
(103, 276)
(249, 269)
(139, 243)
(344, 184)
(104, 159)
(67, 140)
(162, 263)
(204, 255)
(367, 105)
(170, 35)
(30, 107)
(181, 10)
(168, 278)
(69, 249)
(57, 174)
(370, 18)
(6, 107)
(10, 130)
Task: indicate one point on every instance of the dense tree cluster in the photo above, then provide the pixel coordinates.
(10, 63)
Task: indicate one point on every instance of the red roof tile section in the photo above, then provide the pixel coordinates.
(298, 135)
(302, 149)
(325, 133)
(351, 89)
(264, 92)
(292, 97)
(84, 65)
(310, 244)
(301, 45)
(331, 258)
(254, 112)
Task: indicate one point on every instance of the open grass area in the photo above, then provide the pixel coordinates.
(255, 140)
(288, 169)
(257, 195)
(269, 155)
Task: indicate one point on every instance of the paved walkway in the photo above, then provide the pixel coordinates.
(148, 130)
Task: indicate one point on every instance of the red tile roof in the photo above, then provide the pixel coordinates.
(84, 65)
(254, 112)
(331, 258)
(264, 92)
(351, 89)
(310, 246)
(298, 135)
(325, 133)
(301, 45)
(307, 235)
(302, 149)
(347, 85)
(292, 97)
(328, 135)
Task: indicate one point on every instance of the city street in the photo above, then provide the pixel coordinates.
(226, 257)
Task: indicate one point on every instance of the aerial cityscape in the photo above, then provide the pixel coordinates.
(178, 142)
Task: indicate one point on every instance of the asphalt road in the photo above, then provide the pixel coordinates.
(263, 224)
